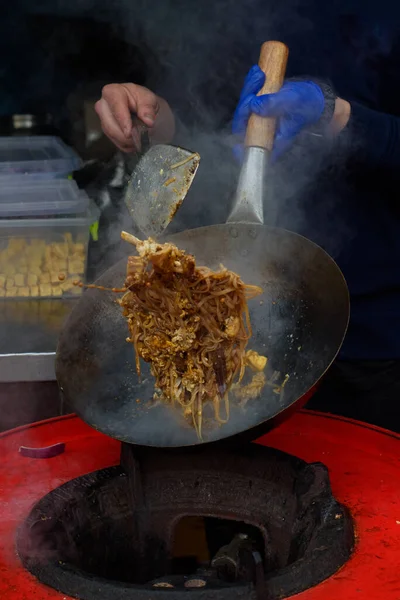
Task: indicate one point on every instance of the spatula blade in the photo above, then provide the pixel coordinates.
(159, 185)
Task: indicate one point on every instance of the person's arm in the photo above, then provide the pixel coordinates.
(376, 136)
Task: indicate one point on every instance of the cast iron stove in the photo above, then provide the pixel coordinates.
(234, 523)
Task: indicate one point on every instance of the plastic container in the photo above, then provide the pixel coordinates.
(44, 236)
(35, 158)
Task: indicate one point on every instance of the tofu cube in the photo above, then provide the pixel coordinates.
(24, 292)
(45, 290)
(32, 279)
(79, 248)
(19, 280)
(57, 291)
(11, 292)
(9, 269)
(59, 251)
(76, 267)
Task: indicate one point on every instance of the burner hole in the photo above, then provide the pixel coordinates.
(198, 539)
(90, 529)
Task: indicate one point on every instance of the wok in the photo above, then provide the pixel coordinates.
(299, 322)
(300, 326)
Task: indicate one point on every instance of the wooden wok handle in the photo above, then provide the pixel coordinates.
(273, 61)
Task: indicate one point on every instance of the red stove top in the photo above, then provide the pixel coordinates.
(364, 466)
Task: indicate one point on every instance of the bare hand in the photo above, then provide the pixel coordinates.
(115, 108)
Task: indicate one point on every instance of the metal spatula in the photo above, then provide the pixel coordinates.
(159, 185)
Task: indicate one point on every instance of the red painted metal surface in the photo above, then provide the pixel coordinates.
(364, 465)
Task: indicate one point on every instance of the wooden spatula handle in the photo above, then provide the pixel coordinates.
(273, 61)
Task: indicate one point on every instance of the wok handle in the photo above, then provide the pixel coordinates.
(273, 60)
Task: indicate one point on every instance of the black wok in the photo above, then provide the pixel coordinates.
(300, 326)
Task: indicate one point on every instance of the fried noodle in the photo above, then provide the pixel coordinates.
(190, 323)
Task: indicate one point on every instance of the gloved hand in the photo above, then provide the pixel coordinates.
(297, 105)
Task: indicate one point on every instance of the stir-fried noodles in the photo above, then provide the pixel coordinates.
(191, 324)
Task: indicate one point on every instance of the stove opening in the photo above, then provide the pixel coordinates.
(258, 519)
(203, 541)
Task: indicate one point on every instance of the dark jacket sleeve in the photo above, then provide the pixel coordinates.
(376, 136)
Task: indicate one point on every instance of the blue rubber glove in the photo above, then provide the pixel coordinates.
(297, 105)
